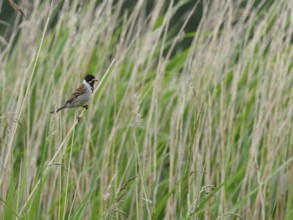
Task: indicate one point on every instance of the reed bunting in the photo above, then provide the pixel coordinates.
(81, 95)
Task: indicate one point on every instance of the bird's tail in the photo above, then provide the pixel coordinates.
(59, 109)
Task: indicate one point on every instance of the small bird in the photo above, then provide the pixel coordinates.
(81, 95)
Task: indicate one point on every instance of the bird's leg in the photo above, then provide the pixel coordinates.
(85, 106)
(77, 117)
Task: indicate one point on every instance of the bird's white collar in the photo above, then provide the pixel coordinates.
(87, 85)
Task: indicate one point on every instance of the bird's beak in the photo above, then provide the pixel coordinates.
(96, 80)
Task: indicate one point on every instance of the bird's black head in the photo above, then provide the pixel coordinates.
(90, 79)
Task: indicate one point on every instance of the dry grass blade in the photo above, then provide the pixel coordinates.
(114, 208)
(3, 41)
(16, 8)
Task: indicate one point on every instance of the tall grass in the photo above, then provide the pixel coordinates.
(201, 133)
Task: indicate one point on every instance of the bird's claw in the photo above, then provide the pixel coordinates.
(86, 107)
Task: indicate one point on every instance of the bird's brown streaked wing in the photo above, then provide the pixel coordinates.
(79, 91)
